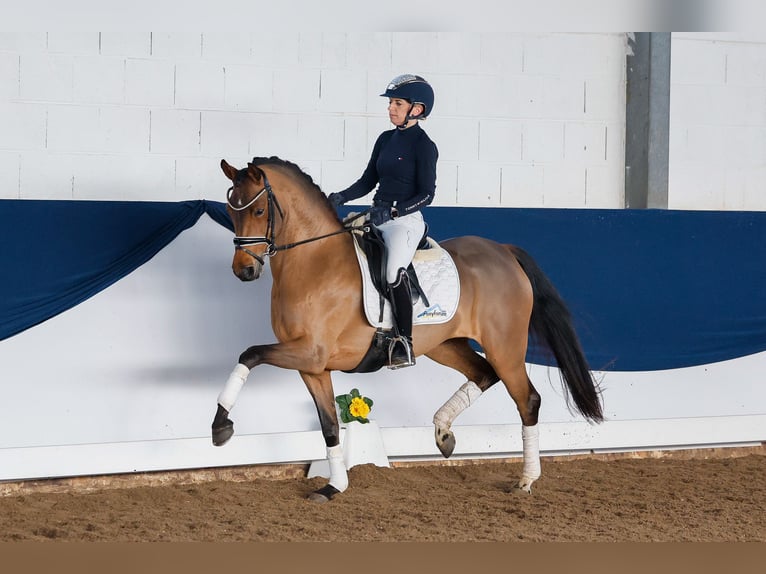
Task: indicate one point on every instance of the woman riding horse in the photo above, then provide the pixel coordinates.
(403, 165)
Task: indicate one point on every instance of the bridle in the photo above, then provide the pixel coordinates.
(241, 242)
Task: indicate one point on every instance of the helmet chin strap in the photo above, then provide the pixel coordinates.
(407, 119)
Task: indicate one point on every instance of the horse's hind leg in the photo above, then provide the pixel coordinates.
(513, 373)
(458, 354)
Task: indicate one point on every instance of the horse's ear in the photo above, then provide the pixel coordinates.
(254, 171)
(228, 170)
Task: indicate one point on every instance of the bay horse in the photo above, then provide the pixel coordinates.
(318, 319)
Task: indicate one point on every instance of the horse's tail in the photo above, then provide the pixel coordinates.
(551, 323)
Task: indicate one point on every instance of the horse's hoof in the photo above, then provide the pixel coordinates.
(223, 433)
(445, 440)
(524, 485)
(324, 494)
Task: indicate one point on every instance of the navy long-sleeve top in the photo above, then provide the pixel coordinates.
(403, 165)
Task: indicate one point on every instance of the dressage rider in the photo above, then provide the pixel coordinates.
(403, 166)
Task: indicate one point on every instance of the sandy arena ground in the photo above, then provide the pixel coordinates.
(695, 498)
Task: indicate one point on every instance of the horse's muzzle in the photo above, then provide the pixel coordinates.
(246, 264)
(248, 272)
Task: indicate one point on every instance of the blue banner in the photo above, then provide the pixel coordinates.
(648, 289)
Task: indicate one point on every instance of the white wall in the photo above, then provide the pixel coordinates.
(520, 120)
(718, 121)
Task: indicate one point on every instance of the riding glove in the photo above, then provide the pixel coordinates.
(380, 214)
(336, 199)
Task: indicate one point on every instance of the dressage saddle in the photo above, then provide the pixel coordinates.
(371, 243)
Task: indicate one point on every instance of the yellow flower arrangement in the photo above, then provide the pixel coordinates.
(358, 408)
(354, 407)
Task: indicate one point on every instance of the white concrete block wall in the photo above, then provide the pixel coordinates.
(175, 132)
(23, 126)
(149, 83)
(520, 119)
(9, 76)
(23, 41)
(177, 45)
(199, 85)
(73, 42)
(98, 79)
(9, 174)
(225, 133)
(130, 44)
(248, 88)
(46, 77)
(48, 175)
(718, 121)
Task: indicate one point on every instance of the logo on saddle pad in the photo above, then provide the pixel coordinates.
(432, 312)
(438, 278)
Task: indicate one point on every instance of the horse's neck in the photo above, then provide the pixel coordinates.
(304, 218)
(316, 259)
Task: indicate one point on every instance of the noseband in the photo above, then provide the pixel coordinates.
(242, 242)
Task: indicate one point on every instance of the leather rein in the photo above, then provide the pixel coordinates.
(242, 242)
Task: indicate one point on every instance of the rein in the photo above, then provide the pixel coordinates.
(242, 242)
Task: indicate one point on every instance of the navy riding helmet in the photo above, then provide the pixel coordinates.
(414, 89)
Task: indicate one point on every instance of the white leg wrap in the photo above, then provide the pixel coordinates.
(233, 385)
(530, 438)
(338, 474)
(460, 401)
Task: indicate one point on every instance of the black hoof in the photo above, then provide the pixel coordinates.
(446, 444)
(223, 427)
(324, 494)
(222, 434)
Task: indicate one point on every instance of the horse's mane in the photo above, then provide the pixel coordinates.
(302, 176)
(274, 160)
(296, 170)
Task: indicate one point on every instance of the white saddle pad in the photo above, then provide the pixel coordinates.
(438, 277)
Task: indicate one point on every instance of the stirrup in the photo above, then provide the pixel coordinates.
(400, 353)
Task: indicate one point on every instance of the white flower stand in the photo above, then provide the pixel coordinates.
(362, 444)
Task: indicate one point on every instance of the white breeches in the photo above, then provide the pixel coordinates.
(401, 236)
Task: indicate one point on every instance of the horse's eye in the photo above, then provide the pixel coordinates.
(259, 212)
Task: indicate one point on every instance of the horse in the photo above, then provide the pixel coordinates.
(279, 213)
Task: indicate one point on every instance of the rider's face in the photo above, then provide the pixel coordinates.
(398, 110)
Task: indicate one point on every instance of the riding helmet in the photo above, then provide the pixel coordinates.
(414, 89)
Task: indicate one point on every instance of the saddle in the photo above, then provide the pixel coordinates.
(371, 243)
(435, 290)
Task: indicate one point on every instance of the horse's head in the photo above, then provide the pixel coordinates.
(250, 206)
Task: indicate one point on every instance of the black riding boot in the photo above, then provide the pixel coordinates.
(400, 352)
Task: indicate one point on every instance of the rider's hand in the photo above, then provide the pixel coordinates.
(379, 214)
(336, 199)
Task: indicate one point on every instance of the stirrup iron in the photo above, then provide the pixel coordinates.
(403, 358)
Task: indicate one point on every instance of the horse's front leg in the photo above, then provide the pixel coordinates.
(320, 387)
(299, 355)
(223, 426)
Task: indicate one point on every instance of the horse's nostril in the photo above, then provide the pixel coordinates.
(247, 273)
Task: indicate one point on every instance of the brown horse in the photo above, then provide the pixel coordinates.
(318, 318)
